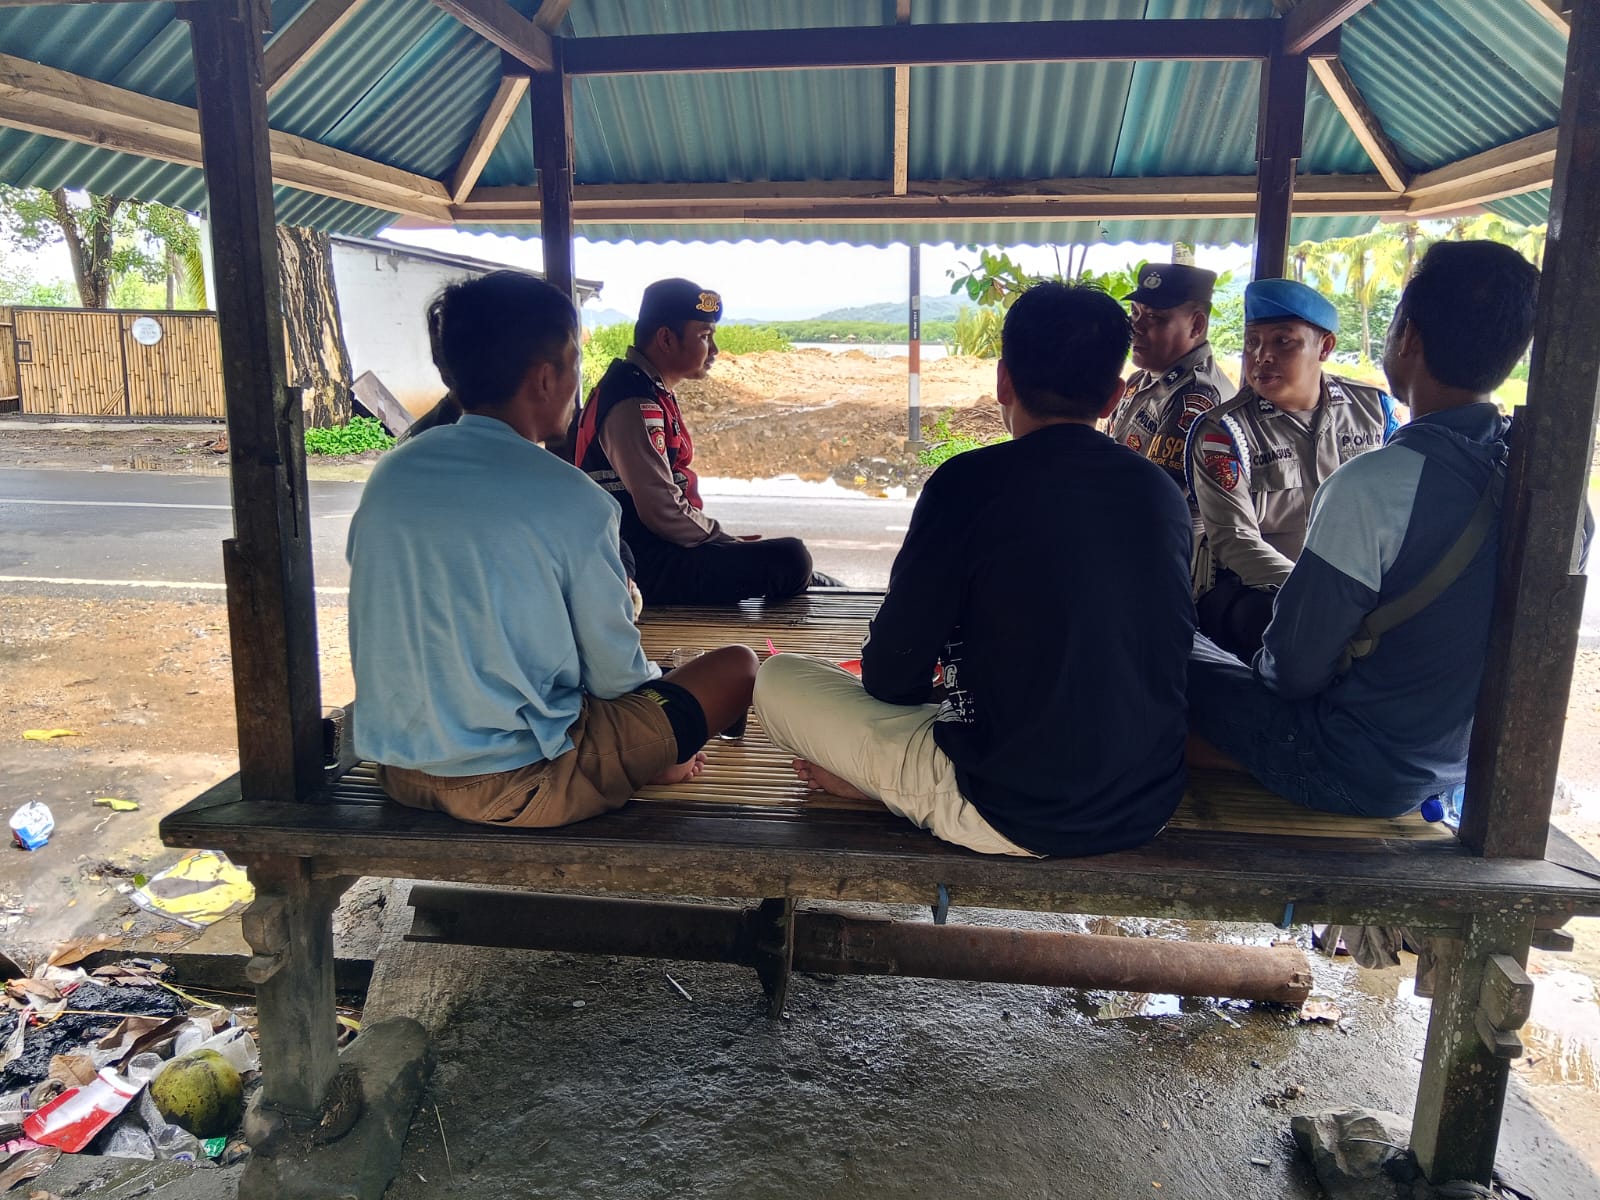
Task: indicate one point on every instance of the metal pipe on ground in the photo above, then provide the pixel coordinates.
(836, 943)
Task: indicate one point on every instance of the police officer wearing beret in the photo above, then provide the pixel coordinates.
(1177, 381)
(1255, 463)
(631, 439)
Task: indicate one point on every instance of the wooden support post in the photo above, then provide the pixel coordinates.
(914, 351)
(1279, 134)
(271, 603)
(1463, 1088)
(551, 96)
(1516, 737)
(290, 928)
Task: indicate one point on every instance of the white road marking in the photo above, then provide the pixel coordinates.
(112, 504)
(175, 584)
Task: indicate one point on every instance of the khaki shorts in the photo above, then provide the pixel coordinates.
(618, 746)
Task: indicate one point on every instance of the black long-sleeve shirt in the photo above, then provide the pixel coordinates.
(1050, 576)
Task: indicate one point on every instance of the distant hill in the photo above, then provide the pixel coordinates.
(934, 308)
(594, 318)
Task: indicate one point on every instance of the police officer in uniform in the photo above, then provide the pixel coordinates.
(631, 439)
(1177, 380)
(1255, 463)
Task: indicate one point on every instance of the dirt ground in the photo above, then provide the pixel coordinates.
(812, 413)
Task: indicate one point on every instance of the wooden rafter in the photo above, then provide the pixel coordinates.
(502, 107)
(551, 13)
(1363, 122)
(1554, 13)
(56, 103)
(505, 27)
(312, 28)
(1525, 165)
(1312, 20)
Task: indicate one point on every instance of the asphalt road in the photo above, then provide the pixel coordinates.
(123, 533)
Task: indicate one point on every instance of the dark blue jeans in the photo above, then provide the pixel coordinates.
(1233, 710)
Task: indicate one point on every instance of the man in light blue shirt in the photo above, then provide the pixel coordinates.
(499, 676)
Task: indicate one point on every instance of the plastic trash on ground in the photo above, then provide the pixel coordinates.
(71, 1121)
(198, 890)
(32, 825)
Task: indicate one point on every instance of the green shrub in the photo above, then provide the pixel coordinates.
(944, 443)
(604, 344)
(750, 339)
(977, 332)
(362, 433)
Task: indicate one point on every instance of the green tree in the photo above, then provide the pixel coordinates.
(106, 238)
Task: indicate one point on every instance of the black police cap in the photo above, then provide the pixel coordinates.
(1167, 285)
(670, 302)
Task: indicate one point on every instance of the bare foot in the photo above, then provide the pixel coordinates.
(822, 780)
(684, 771)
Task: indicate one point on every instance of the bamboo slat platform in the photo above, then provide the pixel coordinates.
(753, 775)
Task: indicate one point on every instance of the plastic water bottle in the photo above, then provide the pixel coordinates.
(1445, 807)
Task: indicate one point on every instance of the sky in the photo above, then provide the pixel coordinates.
(777, 280)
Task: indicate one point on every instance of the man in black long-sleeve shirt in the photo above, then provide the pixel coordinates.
(1046, 579)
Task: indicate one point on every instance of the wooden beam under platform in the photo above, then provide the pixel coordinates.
(1524, 165)
(503, 25)
(1363, 122)
(312, 28)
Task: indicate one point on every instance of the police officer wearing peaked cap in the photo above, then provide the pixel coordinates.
(630, 438)
(1177, 380)
(1255, 463)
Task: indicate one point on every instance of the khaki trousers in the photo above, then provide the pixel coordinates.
(820, 713)
(618, 746)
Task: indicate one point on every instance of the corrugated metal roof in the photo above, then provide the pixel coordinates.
(405, 84)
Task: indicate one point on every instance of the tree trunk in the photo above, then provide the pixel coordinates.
(319, 362)
(1366, 330)
(89, 246)
(1183, 252)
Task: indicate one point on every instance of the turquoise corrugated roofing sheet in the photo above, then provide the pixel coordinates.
(405, 84)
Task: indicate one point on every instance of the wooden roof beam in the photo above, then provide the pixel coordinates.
(901, 140)
(1311, 20)
(502, 107)
(1555, 13)
(56, 103)
(505, 27)
(1524, 165)
(1222, 40)
(312, 28)
(1363, 122)
(932, 200)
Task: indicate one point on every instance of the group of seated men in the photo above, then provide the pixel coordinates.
(1039, 674)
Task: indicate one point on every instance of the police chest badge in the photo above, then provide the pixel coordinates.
(1135, 442)
(1195, 405)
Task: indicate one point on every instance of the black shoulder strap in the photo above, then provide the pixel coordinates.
(1431, 586)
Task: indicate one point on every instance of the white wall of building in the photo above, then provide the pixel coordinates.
(382, 295)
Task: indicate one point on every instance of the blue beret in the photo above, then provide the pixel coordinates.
(1286, 300)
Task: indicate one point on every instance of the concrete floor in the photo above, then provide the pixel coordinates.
(566, 1075)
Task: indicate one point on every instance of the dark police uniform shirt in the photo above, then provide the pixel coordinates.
(1050, 577)
(1254, 469)
(1156, 414)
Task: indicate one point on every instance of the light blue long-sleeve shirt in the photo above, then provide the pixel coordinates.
(487, 596)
